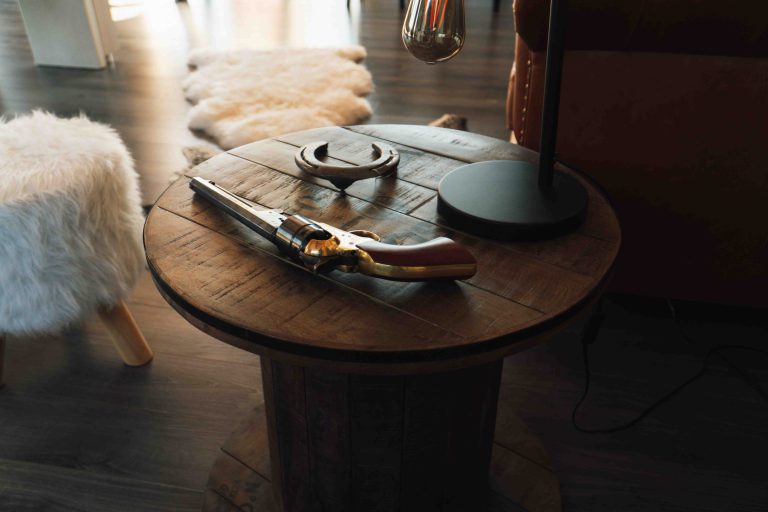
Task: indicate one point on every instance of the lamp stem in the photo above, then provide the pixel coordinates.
(553, 74)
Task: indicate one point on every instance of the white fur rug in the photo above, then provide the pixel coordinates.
(247, 95)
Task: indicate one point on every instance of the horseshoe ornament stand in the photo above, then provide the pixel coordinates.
(342, 176)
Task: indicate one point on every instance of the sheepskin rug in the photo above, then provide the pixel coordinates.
(70, 221)
(246, 95)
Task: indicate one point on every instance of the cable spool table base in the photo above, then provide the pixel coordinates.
(333, 441)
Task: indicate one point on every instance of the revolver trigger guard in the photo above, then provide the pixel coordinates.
(366, 234)
(308, 159)
(321, 265)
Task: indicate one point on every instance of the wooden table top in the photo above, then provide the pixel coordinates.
(235, 285)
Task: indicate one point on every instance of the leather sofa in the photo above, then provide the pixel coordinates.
(665, 104)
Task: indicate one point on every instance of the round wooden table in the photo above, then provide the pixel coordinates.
(378, 395)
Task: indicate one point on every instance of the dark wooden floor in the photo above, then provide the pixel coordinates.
(142, 98)
(81, 432)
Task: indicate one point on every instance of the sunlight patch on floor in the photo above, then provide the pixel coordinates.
(229, 24)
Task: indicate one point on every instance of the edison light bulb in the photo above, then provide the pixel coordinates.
(433, 30)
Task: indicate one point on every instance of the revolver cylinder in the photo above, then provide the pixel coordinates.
(295, 232)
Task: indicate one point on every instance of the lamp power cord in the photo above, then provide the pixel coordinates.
(589, 336)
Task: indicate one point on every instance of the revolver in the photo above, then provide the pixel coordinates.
(321, 247)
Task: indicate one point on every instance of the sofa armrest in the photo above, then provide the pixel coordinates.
(738, 28)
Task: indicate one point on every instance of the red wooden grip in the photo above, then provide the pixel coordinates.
(441, 258)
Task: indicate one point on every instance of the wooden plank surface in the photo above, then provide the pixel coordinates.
(277, 296)
(463, 146)
(576, 251)
(390, 192)
(416, 166)
(524, 277)
(239, 280)
(472, 147)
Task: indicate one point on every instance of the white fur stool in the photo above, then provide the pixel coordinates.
(70, 229)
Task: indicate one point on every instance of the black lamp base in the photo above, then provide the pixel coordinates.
(502, 199)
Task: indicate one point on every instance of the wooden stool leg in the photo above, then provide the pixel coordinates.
(126, 336)
(2, 358)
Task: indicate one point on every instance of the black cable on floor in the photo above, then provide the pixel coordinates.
(744, 375)
(589, 336)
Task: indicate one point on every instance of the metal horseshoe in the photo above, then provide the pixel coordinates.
(342, 176)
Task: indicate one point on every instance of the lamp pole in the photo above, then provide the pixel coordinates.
(554, 73)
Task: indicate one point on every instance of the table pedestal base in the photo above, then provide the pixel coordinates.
(358, 443)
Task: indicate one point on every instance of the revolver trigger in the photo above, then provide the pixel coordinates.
(366, 234)
(321, 266)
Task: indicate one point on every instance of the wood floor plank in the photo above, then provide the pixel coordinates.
(144, 87)
(80, 408)
(29, 486)
(215, 501)
(238, 486)
(711, 438)
(248, 443)
(524, 482)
